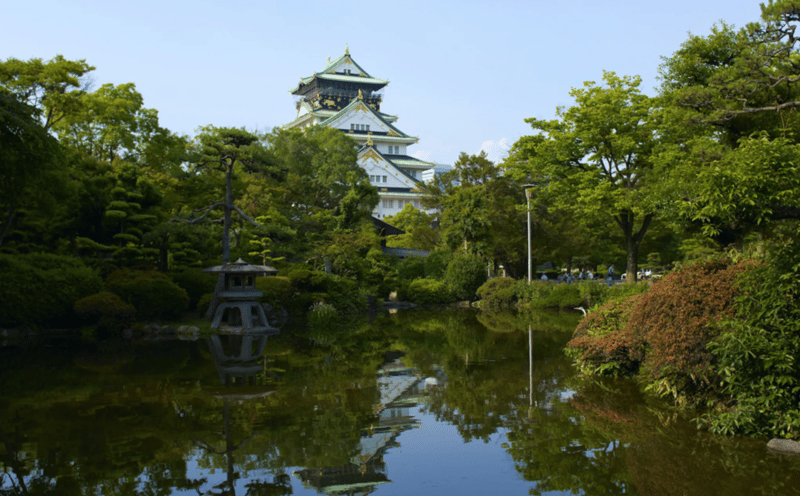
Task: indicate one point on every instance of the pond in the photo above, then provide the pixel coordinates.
(413, 402)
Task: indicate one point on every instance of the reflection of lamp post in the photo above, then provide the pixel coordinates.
(530, 369)
(528, 190)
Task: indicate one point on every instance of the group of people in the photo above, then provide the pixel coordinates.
(584, 275)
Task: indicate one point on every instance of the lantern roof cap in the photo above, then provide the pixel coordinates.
(242, 267)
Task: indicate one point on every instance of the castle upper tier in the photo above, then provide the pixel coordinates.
(344, 96)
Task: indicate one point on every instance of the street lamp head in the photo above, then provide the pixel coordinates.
(528, 190)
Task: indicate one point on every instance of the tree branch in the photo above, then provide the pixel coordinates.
(245, 216)
(208, 211)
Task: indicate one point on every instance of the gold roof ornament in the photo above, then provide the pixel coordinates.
(369, 141)
(360, 94)
(346, 49)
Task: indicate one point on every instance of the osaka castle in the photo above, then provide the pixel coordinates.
(344, 96)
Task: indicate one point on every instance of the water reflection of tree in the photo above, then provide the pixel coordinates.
(484, 365)
(130, 426)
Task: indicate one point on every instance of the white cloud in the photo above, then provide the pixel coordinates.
(497, 151)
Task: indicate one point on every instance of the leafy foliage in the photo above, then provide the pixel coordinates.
(436, 264)
(595, 159)
(497, 293)
(41, 289)
(195, 283)
(411, 268)
(665, 330)
(756, 350)
(106, 311)
(465, 274)
(151, 293)
(426, 292)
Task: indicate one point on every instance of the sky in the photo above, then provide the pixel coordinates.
(463, 75)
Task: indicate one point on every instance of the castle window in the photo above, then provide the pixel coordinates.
(352, 127)
(397, 150)
(367, 127)
(384, 178)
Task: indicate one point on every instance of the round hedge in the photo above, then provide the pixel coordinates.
(151, 293)
(106, 311)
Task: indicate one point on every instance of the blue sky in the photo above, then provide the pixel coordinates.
(463, 75)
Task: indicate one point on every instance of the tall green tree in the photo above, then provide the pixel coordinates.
(418, 226)
(324, 184)
(228, 151)
(112, 124)
(478, 211)
(595, 160)
(54, 88)
(29, 158)
(730, 102)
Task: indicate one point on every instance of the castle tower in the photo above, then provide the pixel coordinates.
(345, 97)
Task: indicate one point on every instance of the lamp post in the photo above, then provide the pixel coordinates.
(528, 190)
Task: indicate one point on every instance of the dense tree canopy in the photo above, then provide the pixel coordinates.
(595, 159)
(730, 148)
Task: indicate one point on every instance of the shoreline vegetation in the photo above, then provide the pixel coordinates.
(719, 336)
(107, 219)
(715, 335)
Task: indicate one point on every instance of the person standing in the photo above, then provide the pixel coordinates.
(610, 275)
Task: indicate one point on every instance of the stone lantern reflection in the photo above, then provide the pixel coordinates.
(240, 311)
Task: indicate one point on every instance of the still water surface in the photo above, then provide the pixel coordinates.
(411, 403)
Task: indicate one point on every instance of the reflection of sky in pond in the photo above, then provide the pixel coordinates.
(431, 460)
(357, 416)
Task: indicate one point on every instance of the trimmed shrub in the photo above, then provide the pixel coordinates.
(535, 291)
(41, 289)
(465, 274)
(344, 294)
(195, 283)
(426, 292)
(151, 293)
(543, 294)
(627, 289)
(105, 311)
(563, 296)
(497, 293)
(310, 287)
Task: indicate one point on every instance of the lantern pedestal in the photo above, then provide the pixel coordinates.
(240, 311)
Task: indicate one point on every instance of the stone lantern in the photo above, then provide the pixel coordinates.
(240, 311)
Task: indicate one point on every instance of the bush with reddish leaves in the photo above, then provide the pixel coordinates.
(663, 333)
(680, 315)
(604, 344)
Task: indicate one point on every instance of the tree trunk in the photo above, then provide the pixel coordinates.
(226, 244)
(163, 254)
(226, 228)
(626, 220)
